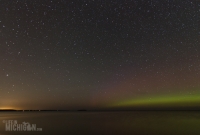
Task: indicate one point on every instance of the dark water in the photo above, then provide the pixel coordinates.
(106, 123)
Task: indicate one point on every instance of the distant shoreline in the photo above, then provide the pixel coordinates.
(12, 110)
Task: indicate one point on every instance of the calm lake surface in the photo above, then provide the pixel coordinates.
(106, 123)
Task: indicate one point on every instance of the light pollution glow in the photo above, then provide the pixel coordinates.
(7, 108)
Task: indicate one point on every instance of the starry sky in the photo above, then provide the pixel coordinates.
(99, 54)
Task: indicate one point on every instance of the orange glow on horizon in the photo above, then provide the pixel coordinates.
(8, 108)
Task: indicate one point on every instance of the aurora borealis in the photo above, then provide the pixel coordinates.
(164, 102)
(95, 54)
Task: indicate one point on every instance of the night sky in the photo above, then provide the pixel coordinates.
(99, 54)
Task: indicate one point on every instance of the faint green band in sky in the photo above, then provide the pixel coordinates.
(161, 101)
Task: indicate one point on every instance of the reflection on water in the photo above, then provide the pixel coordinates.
(107, 123)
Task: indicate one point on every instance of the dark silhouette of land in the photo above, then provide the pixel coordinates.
(84, 110)
(13, 110)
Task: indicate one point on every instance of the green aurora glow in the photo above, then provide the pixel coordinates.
(183, 100)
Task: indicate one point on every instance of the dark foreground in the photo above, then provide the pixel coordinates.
(106, 123)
